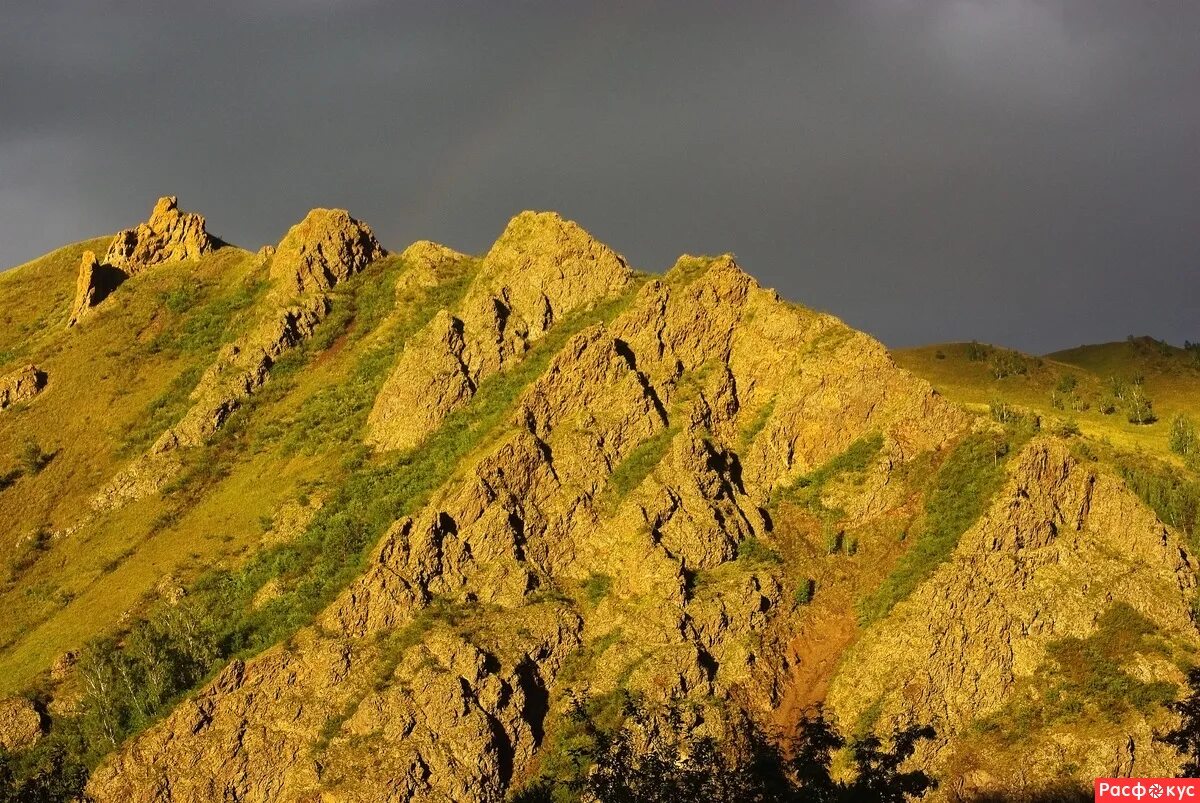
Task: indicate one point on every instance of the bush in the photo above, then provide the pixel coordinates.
(33, 458)
(978, 352)
(596, 588)
(805, 591)
(1067, 384)
(1005, 362)
(752, 550)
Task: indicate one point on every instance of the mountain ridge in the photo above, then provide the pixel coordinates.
(503, 484)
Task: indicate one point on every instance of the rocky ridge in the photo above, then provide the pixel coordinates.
(645, 474)
(1061, 544)
(542, 269)
(528, 514)
(326, 247)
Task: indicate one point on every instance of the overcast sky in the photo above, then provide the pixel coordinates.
(1017, 171)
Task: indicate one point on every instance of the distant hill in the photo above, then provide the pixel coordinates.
(976, 375)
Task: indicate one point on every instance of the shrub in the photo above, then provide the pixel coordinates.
(1067, 383)
(1005, 362)
(596, 588)
(805, 591)
(834, 542)
(978, 352)
(33, 457)
(752, 550)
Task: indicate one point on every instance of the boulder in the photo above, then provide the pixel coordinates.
(96, 281)
(20, 724)
(21, 385)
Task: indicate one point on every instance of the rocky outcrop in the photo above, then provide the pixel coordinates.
(542, 269)
(21, 385)
(240, 369)
(1061, 544)
(674, 384)
(168, 236)
(89, 290)
(20, 724)
(325, 248)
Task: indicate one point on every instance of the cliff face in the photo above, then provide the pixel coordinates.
(645, 481)
(1063, 545)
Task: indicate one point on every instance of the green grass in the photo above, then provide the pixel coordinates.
(753, 552)
(806, 490)
(596, 588)
(960, 492)
(636, 466)
(755, 425)
(162, 412)
(209, 318)
(1090, 384)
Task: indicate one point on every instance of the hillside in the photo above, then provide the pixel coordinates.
(330, 522)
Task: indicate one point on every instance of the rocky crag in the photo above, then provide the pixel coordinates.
(21, 385)
(169, 235)
(686, 479)
(326, 247)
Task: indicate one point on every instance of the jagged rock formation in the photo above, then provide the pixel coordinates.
(20, 724)
(1060, 545)
(21, 385)
(88, 289)
(325, 248)
(541, 270)
(169, 235)
(629, 484)
(689, 363)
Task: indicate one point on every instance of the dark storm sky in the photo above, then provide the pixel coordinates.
(1017, 171)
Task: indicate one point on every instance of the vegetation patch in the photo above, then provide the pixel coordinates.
(806, 490)
(1173, 496)
(960, 492)
(1083, 680)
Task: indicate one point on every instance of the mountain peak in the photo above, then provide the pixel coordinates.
(326, 247)
(168, 235)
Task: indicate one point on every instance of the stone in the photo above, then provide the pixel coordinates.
(169, 235)
(326, 247)
(21, 385)
(20, 724)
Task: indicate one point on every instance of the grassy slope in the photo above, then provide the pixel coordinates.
(1172, 381)
(104, 376)
(35, 299)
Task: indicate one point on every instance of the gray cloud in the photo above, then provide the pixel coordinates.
(1022, 171)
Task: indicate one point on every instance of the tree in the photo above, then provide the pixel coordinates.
(752, 769)
(33, 459)
(1141, 409)
(1182, 437)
